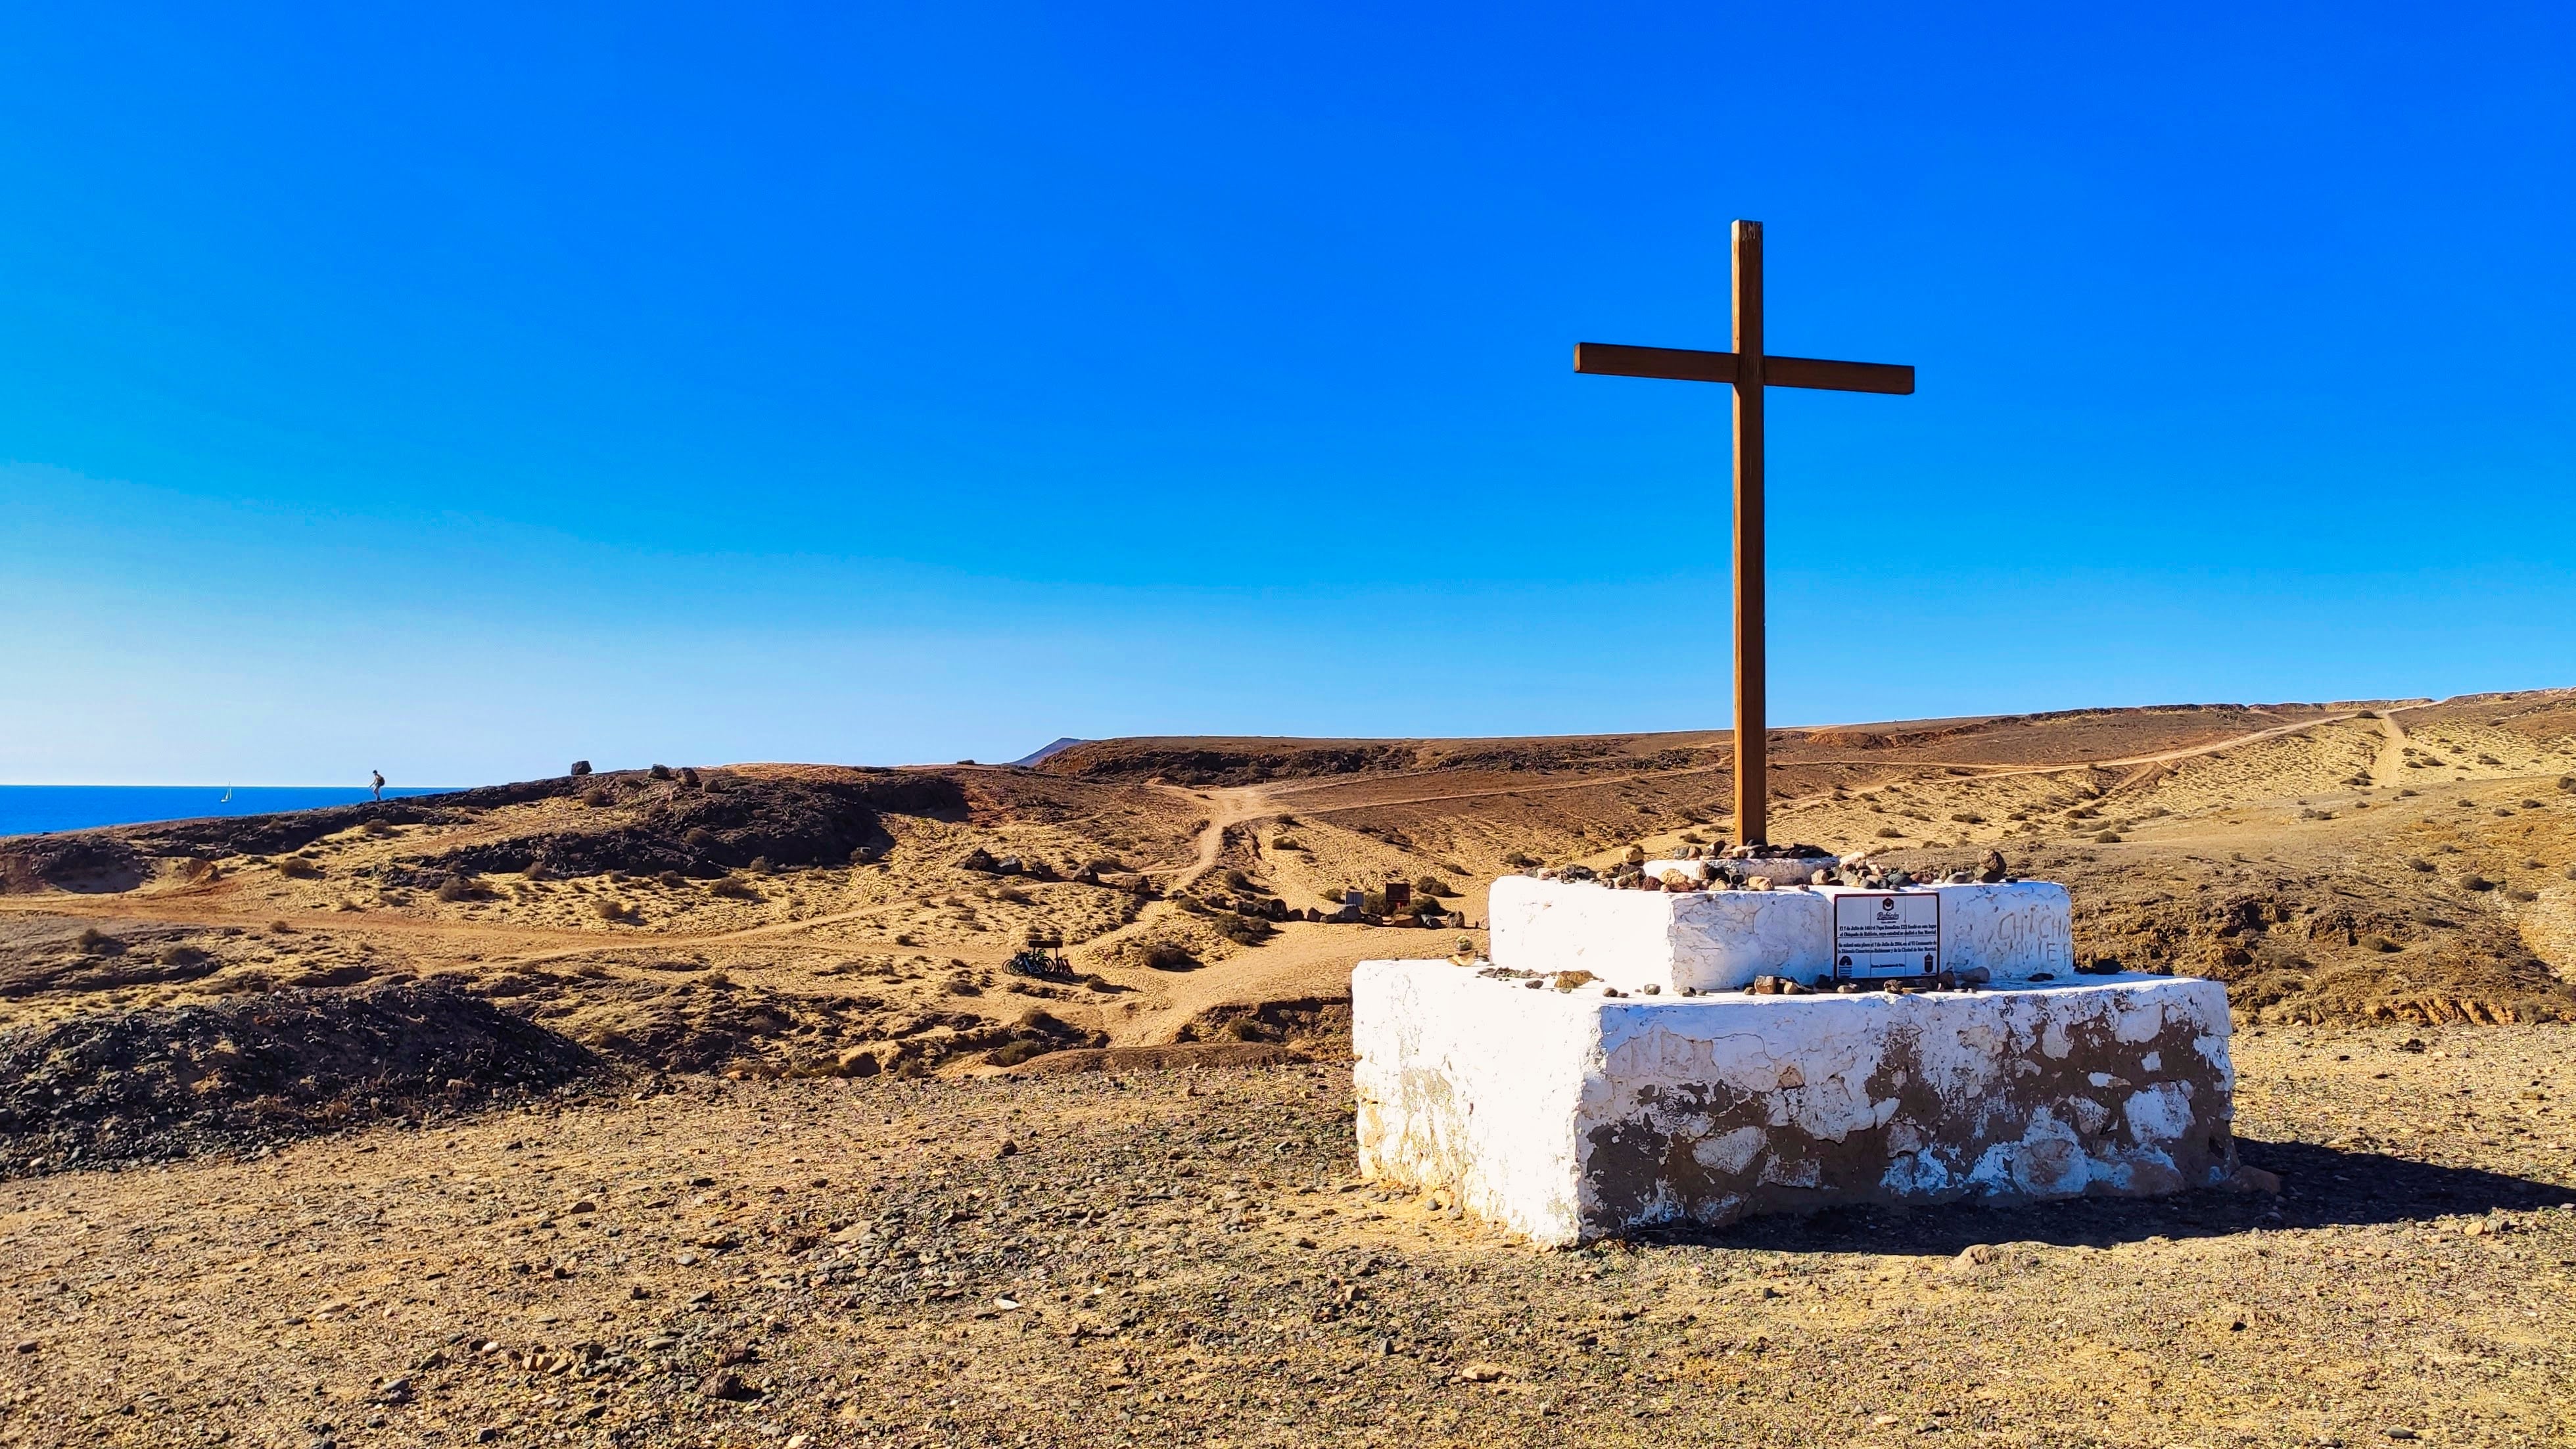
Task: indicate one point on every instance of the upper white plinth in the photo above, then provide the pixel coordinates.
(1720, 940)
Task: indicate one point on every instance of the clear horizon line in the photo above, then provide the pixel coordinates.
(200, 785)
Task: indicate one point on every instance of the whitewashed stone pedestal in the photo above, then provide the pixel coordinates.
(1574, 1114)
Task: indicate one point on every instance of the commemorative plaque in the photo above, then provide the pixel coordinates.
(1879, 934)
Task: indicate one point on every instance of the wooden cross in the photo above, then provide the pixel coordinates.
(1750, 369)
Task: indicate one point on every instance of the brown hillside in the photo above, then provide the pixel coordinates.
(808, 918)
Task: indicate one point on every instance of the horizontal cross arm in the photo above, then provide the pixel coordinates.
(1682, 364)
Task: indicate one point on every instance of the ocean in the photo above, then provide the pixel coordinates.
(31, 809)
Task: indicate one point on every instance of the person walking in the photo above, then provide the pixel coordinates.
(380, 783)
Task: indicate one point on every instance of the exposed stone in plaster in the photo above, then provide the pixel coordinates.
(1576, 1116)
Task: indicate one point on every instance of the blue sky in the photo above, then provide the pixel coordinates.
(460, 390)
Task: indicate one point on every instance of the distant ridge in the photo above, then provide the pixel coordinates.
(1048, 752)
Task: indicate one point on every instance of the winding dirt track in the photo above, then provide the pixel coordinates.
(1308, 961)
(1983, 769)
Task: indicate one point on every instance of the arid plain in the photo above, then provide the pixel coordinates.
(704, 1106)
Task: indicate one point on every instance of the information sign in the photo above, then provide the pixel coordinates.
(1887, 933)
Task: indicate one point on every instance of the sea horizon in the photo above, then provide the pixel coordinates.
(45, 809)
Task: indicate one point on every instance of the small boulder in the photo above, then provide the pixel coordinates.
(1974, 1258)
(2248, 1178)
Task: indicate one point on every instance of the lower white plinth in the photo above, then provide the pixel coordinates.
(1574, 1115)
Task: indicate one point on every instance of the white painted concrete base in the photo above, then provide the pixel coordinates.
(1720, 940)
(1574, 1115)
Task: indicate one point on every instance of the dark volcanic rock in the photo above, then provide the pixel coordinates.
(295, 829)
(84, 862)
(789, 822)
(155, 1084)
(722, 824)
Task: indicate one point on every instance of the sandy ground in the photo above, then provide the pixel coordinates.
(1184, 1257)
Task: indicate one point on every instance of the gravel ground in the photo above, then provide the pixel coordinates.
(1183, 1257)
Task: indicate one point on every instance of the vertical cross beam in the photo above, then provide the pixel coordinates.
(1752, 784)
(1748, 369)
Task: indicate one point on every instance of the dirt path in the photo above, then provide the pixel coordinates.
(1586, 783)
(2165, 757)
(1315, 960)
(1281, 793)
(1303, 960)
(2390, 768)
(1226, 805)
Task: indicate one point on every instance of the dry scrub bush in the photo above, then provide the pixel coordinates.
(1243, 930)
